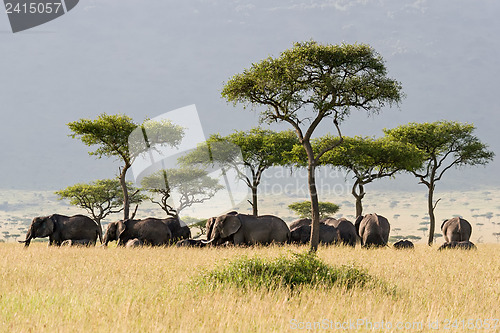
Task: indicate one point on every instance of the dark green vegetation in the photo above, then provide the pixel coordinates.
(303, 209)
(302, 269)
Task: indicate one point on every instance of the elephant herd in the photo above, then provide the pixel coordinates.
(81, 230)
(233, 228)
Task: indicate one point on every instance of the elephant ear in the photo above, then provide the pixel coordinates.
(357, 224)
(306, 235)
(49, 225)
(230, 225)
(442, 225)
(209, 227)
(121, 226)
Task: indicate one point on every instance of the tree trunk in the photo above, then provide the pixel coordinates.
(359, 197)
(432, 218)
(126, 199)
(254, 200)
(311, 169)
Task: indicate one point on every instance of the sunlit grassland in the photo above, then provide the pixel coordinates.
(153, 290)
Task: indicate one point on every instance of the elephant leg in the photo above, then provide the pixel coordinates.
(239, 238)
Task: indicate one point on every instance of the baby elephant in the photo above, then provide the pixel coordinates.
(77, 242)
(190, 243)
(464, 245)
(403, 244)
(135, 242)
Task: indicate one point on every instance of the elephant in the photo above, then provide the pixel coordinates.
(464, 245)
(373, 230)
(456, 229)
(403, 244)
(209, 226)
(60, 228)
(346, 232)
(302, 234)
(77, 242)
(241, 229)
(150, 231)
(298, 223)
(178, 228)
(190, 243)
(210, 223)
(134, 243)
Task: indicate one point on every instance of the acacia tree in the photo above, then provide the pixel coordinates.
(101, 197)
(309, 83)
(112, 133)
(444, 144)
(191, 184)
(258, 150)
(369, 159)
(303, 209)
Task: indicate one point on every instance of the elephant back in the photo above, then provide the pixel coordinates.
(76, 227)
(151, 231)
(373, 229)
(346, 231)
(328, 234)
(178, 228)
(277, 229)
(456, 229)
(298, 223)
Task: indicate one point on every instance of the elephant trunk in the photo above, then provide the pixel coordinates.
(26, 242)
(214, 236)
(28, 239)
(105, 240)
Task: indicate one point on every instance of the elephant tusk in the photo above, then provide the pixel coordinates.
(207, 241)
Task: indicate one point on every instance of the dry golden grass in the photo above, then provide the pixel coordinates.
(150, 290)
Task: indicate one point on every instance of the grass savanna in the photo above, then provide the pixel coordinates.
(156, 289)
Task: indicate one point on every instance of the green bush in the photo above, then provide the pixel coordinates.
(302, 269)
(303, 209)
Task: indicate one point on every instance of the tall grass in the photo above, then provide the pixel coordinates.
(149, 289)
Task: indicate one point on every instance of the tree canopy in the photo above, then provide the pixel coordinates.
(249, 153)
(303, 209)
(368, 159)
(119, 136)
(100, 198)
(311, 82)
(190, 184)
(444, 145)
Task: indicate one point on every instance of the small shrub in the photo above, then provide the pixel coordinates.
(303, 209)
(303, 269)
